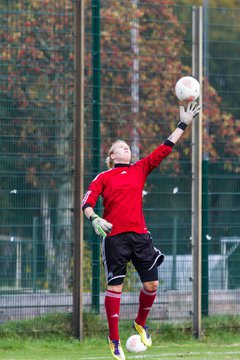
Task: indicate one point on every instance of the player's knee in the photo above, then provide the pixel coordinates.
(150, 285)
(116, 288)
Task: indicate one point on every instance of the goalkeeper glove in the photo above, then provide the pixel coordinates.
(98, 221)
(187, 116)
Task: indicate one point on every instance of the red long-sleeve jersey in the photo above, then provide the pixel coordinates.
(121, 188)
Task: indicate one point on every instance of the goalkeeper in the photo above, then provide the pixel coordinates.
(123, 221)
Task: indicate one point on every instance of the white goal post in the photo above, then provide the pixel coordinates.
(227, 251)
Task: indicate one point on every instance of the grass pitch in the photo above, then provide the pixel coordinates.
(50, 338)
(98, 350)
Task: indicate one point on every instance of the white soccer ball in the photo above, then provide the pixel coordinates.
(134, 344)
(187, 88)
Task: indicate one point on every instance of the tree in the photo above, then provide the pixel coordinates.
(37, 58)
(36, 121)
(164, 43)
(164, 54)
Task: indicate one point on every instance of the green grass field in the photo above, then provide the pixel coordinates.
(97, 350)
(50, 338)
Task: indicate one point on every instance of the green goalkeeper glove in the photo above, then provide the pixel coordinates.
(97, 222)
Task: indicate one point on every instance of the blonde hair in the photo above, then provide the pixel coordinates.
(109, 160)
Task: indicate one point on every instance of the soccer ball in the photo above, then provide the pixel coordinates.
(134, 344)
(187, 88)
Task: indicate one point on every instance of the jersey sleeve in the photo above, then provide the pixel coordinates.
(94, 191)
(154, 159)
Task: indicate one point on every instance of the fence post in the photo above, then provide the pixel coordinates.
(78, 168)
(96, 63)
(205, 175)
(197, 175)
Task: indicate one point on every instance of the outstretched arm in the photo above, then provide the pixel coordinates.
(186, 118)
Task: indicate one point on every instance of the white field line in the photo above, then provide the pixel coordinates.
(165, 355)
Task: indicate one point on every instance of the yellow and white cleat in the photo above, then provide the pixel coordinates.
(116, 349)
(145, 336)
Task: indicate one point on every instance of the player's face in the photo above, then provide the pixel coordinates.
(121, 153)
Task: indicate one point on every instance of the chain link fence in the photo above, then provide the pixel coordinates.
(36, 145)
(145, 47)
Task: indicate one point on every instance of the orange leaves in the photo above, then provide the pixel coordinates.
(37, 78)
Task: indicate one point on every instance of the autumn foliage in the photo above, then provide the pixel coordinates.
(152, 36)
(145, 48)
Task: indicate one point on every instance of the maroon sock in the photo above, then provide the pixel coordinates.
(146, 299)
(112, 306)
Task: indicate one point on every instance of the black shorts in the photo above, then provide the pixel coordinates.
(119, 249)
